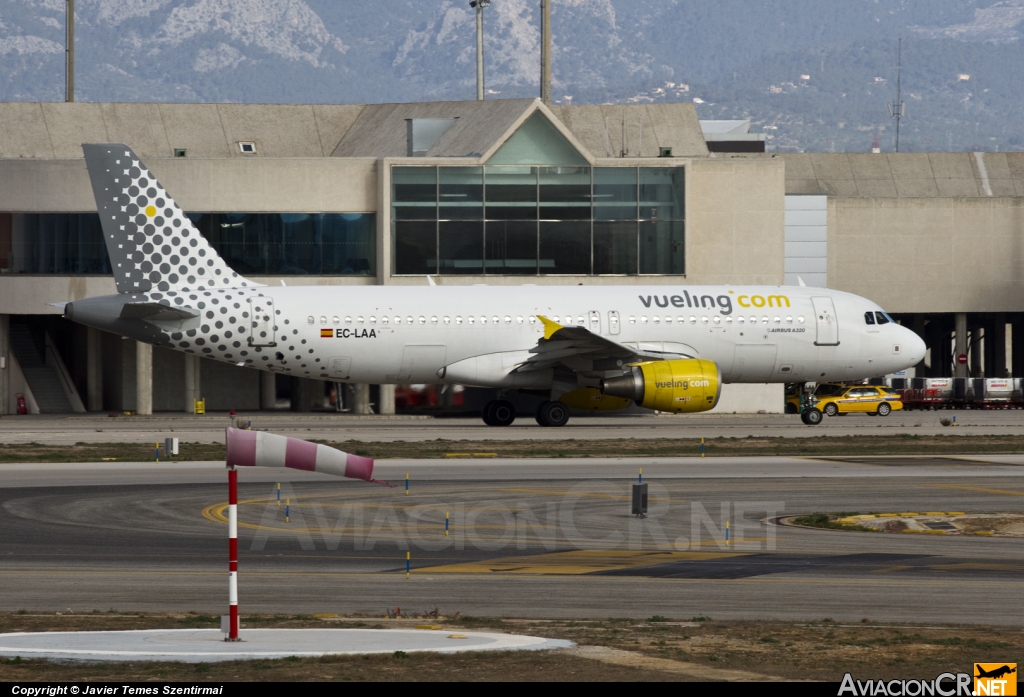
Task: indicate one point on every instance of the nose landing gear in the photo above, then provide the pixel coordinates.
(811, 416)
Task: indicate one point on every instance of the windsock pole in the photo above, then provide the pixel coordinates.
(233, 553)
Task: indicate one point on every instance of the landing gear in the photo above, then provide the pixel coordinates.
(811, 416)
(499, 412)
(552, 414)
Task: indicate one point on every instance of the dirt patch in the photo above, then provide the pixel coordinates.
(996, 524)
(893, 526)
(823, 446)
(659, 648)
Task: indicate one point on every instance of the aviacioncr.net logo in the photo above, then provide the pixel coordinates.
(945, 685)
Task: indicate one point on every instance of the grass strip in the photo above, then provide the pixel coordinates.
(819, 446)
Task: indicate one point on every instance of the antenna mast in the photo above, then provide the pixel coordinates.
(896, 108)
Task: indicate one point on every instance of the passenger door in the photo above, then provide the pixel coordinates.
(826, 321)
(261, 321)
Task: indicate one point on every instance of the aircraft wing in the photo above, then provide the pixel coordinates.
(581, 350)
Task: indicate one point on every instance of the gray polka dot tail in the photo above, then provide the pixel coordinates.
(152, 244)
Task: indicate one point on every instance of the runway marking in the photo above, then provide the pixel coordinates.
(789, 581)
(977, 566)
(890, 569)
(1004, 492)
(575, 562)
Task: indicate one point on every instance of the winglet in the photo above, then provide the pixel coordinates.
(549, 327)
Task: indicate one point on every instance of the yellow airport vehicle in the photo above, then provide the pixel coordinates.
(857, 399)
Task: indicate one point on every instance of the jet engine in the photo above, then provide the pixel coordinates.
(681, 386)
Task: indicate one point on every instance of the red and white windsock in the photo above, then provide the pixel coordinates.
(262, 449)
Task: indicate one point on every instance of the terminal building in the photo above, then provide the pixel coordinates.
(500, 192)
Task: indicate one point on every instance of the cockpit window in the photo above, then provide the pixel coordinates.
(869, 317)
(883, 318)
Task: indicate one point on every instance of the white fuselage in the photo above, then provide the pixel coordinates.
(402, 334)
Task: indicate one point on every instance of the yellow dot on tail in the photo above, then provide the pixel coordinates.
(150, 211)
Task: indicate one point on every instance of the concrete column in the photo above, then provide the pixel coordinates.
(5, 370)
(193, 373)
(361, 403)
(268, 390)
(996, 348)
(976, 332)
(959, 344)
(143, 378)
(386, 403)
(93, 370)
(1017, 343)
(300, 394)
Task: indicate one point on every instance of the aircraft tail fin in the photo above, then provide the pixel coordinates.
(152, 244)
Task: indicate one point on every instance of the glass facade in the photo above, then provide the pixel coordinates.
(530, 220)
(279, 244)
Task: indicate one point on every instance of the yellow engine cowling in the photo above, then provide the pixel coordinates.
(591, 399)
(681, 386)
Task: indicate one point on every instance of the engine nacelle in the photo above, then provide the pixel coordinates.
(685, 385)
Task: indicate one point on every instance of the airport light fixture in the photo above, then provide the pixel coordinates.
(480, 5)
(896, 107)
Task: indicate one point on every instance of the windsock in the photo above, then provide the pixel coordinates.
(261, 449)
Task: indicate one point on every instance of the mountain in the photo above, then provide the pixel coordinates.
(816, 75)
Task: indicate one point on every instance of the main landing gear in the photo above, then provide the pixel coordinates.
(499, 412)
(552, 414)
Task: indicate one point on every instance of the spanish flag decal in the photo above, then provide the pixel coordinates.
(326, 333)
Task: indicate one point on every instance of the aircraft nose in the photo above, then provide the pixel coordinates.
(913, 346)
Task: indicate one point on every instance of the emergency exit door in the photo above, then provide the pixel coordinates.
(826, 322)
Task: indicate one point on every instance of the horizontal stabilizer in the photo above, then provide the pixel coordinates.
(155, 312)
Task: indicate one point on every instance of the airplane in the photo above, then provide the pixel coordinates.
(995, 673)
(666, 347)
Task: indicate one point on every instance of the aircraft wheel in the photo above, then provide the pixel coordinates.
(552, 414)
(811, 417)
(488, 413)
(502, 413)
(831, 410)
(884, 409)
